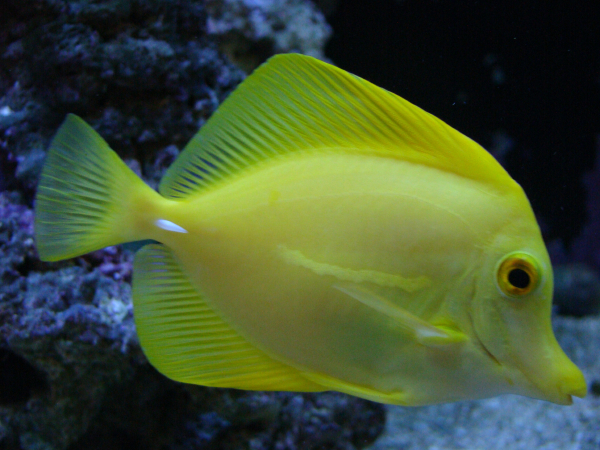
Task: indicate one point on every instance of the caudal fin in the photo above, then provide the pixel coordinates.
(84, 197)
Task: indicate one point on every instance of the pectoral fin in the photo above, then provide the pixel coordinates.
(423, 332)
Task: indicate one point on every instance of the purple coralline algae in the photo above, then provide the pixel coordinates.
(146, 75)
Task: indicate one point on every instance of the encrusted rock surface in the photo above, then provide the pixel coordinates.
(146, 74)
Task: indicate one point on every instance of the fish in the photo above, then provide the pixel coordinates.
(320, 233)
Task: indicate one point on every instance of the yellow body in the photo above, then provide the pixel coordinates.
(372, 258)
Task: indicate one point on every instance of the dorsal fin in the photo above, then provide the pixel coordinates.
(294, 103)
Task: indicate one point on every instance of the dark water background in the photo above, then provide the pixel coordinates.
(528, 69)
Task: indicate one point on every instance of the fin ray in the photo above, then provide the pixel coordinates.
(194, 345)
(86, 195)
(295, 102)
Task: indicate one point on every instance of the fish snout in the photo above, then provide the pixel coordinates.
(557, 379)
(572, 382)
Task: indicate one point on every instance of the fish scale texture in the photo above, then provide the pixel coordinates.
(72, 375)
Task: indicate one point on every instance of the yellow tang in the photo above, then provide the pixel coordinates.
(321, 233)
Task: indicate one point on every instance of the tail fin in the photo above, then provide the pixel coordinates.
(84, 197)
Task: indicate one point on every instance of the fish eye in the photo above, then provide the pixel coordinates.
(517, 275)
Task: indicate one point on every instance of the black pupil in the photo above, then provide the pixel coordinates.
(519, 278)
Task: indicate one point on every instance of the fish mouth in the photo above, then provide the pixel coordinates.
(567, 382)
(562, 394)
(546, 375)
(550, 376)
(559, 388)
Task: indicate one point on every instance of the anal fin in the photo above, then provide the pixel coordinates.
(335, 384)
(187, 341)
